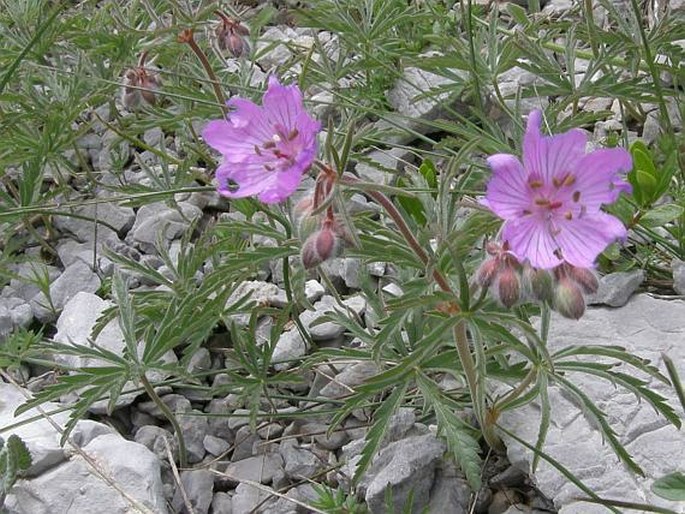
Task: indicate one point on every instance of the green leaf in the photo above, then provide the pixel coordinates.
(429, 173)
(643, 161)
(518, 13)
(459, 436)
(20, 452)
(671, 487)
(661, 214)
(600, 418)
(374, 437)
(412, 205)
(647, 184)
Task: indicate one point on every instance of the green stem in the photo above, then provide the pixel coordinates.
(512, 395)
(649, 59)
(460, 336)
(182, 460)
(187, 37)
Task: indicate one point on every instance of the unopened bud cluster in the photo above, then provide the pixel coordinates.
(232, 35)
(325, 234)
(510, 282)
(140, 85)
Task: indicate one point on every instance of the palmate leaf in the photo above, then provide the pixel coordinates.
(601, 421)
(374, 436)
(459, 435)
(635, 385)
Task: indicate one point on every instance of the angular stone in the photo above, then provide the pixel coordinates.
(261, 468)
(153, 437)
(199, 488)
(406, 467)
(289, 347)
(28, 274)
(348, 379)
(75, 487)
(39, 435)
(75, 279)
(383, 166)
(120, 219)
(246, 498)
(222, 503)
(450, 492)
(646, 327)
(422, 94)
(257, 292)
(157, 220)
(299, 462)
(615, 289)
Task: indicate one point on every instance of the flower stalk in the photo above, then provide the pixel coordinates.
(460, 335)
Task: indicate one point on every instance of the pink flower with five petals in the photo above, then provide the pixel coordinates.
(551, 203)
(266, 149)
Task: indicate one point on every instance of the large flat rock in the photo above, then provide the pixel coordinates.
(646, 327)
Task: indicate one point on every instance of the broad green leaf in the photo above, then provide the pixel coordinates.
(429, 173)
(643, 161)
(647, 184)
(661, 214)
(671, 487)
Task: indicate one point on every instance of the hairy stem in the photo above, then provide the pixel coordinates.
(460, 335)
(182, 456)
(187, 37)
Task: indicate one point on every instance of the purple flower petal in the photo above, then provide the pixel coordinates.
(551, 204)
(598, 176)
(529, 239)
(265, 149)
(582, 240)
(507, 191)
(550, 157)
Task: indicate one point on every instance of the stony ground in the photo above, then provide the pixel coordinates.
(124, 462)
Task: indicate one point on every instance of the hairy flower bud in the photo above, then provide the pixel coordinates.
(486, 272)
(508, 287)
(319, 247)
(568, 299)
(140, 85)
(540, 283)
(585, 278)
(231, 35)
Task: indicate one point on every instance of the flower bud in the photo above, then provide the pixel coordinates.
(508, 287)
(231, 35)
(568, 299)
(486, 272)
(140, 85)
(585, 278)
(541, 283)
(319, 247)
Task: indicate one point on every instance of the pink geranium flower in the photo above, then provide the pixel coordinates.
(552, 202)
(266, 149)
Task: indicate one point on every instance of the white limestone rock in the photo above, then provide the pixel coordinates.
(646, 327)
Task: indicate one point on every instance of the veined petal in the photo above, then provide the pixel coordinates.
(530, 238)
(285, 184)
(507, 192)
(582, 240)
(598, 176)
(241, 180)
(282, 103)
(553, 156)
